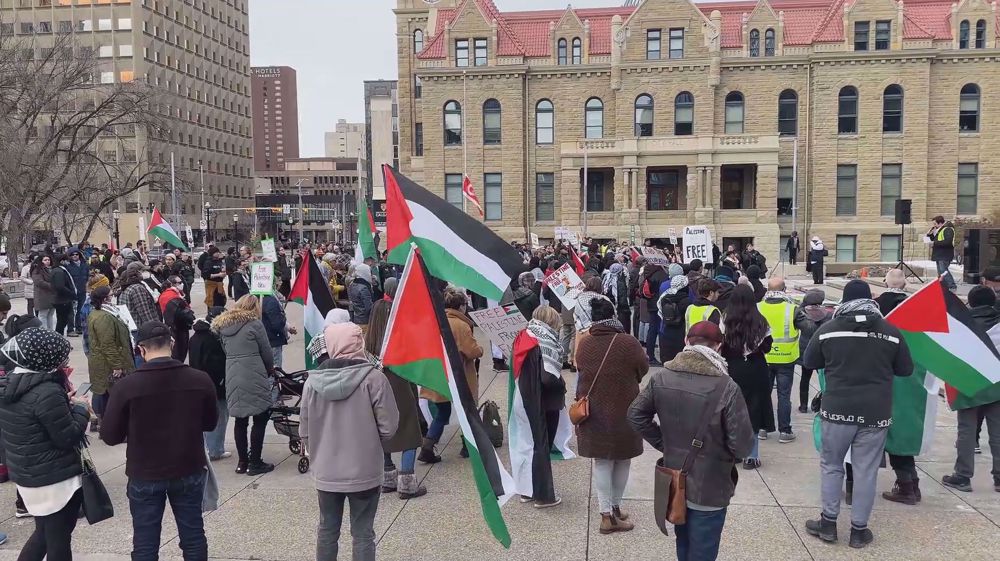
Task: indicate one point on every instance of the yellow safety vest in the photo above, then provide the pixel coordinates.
(695, 314)
(780, 316)
(940, 234)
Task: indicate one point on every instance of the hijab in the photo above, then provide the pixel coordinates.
(344, 340)
(37, 350)
(611, 277)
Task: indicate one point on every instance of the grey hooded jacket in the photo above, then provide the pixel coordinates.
(348, 410)
(249, 362)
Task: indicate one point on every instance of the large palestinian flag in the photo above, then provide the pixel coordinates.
(314, 295)
(366, 233)
(455, 246)
(420, 347)
(161, 229)
(944, 339)
(526, 419)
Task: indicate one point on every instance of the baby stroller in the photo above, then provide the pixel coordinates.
(285, 413)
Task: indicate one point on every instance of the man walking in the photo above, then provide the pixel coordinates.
(214, 272)
(79, 271)
(161, 410)
(942, 236)
(779, 311)
(860, 352)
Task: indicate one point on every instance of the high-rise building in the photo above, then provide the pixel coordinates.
(345, 140)
(275, 99)
(198, 53)
(382, 140)
(756, 120)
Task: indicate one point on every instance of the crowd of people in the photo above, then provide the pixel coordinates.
(713, 339)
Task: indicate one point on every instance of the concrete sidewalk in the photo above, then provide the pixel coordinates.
(273, 517)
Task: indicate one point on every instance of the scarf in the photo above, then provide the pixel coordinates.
(676, 284)
(896, 291)
(862, 306)
(548, 344)
(582, 311)
(611, 277)
(710, 355)
(816, 245)
(613, 323)
(776, 295)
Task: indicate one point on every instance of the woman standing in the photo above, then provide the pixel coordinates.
(747, 342)
(45, 292)
(29, 285)
(361, 295)
(208, 356)
(611, 365)
(817, 251)
(110, 355)
(43, 431)
(456, 304)
(407, 437)
(249, 364)
(184, 268)
(616, 288)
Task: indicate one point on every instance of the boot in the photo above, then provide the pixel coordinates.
(849, 495)
(95, 424)
(916, 488)
(610, 524)
(861, 538)
(427, 454)
(409, 487)
(258, 467)
(389, 481)
(464, 452)
(619, 513)
(902, 492)
(241, 467)
(823, 529)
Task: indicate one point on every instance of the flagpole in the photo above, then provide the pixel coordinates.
(173, 193)
(585, 193)
(358, 195)
(465, 143)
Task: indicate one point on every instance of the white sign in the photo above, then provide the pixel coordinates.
(673, 236)
(203, 225)
(697, 244)
(566, 284)
(572, 239)
(262, 278)
(534, 241)
(502, 324)
(286, 209)
(189, 234)
(267, 248)
(654, 256)
(142, 227)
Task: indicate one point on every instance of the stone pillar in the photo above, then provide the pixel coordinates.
(635, 189)
(693, 187)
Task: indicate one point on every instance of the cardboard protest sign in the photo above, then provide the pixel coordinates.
(267, 248)
(566, 284)
(697, 244)
(261, 279)
(654, 256)
(534, 241)
(501, 324)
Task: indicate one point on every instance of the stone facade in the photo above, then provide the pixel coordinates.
(726, 179)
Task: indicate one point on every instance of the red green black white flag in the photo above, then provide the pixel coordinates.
(161, 229)
(314, 295)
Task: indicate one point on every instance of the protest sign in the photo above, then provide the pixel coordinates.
(697, 243)
(672, 233)
(501, 324)
(267, 248)
(142, 227)
(534, 241)
(654, 256)
(261, 278)
(566, 284)
(189, 235)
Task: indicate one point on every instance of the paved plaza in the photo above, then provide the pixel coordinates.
(273, 517)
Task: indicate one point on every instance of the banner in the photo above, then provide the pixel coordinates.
(189, 234)
(697, 244)
(267, 248)
(142, 227)
(262, 279)
(501, 324)
(566, 284)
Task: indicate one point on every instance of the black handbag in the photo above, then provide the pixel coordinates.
(97, 505)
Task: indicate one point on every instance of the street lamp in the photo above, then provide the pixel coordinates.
(208, 221)
(236, 221)
(117, 216)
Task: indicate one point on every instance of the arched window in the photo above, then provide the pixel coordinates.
(734, 113)
(754, 42)
(418, 40)
(788, 113)
(892, 109)
(644, 115)
(561, 52)
(452, 124)
(491, 122)
(968, 109)
(684, 114)
(594, 118)
(577, 51)
(847, 110)
(544, 122)
(981, 34)
(769, 42)
(963, 34)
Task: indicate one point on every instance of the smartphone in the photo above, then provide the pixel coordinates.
(84, 389)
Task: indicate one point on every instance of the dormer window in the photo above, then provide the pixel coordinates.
(577, 51)
(769, 42)
(981, 34)
(963, 34)
(677, 42)
(883, 35)
(861, 29)
(561, 52)
(754, 43)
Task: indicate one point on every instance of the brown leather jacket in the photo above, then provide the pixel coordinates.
(677, 394)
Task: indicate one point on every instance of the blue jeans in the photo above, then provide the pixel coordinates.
(215, 441)
(943, 269)
(651, 335)
(407, 462)
(278, 356)
(785, 375)
(699, 538)
(147, 500)
(755, 451)
(440, 421)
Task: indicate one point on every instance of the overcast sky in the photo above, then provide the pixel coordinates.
(335, 45)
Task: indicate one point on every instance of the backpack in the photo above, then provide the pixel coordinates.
(670, 312)
(491, 420)
(647, 290)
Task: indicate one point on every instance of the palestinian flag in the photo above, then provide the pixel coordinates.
(454, 246)
(526, 421)
(161, 229)
(944, 339)
(575, 260)
(314, 295)
(366, 233)
(420, 347)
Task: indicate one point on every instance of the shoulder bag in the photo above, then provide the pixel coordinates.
(579, 410)
(670, 485)
(97, 505)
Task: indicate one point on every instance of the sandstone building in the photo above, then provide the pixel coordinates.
(755, 119)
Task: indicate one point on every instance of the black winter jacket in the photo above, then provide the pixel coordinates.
(206, 354)
(62, 282)
(944, 249)
(42, 431)
(861, 353)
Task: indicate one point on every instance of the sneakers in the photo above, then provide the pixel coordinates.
(957, 482)
(762, 434)
(751, 463)
(786, 437)
(21, 512)
(902, 492)
(221, 456)
(978, 449)
(611, 524)
(525, 499)
(500, 365)
(996, 484)
(389, 481)
(861, 538)
(241, 467)
(549, 504)
(823, 529)
(259, 468)
(95, 425)
(3, 538)
(409, 487)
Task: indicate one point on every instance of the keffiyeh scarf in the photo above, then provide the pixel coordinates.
(710, 355)
(611, 280)
(548, 343)
(862, 306)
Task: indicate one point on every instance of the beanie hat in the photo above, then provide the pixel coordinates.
(674, 269)
(857, 289)
(982, 296)
(706, 330)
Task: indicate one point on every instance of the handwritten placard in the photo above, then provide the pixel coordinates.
(262, 278)
(501, 324)
(267, 248)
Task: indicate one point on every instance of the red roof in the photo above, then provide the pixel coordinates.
(806, 21)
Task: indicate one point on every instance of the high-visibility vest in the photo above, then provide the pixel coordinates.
(781, 317)
(940, 234)
(695, 314)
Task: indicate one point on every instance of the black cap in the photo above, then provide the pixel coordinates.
(151, 330)
(857, 289)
